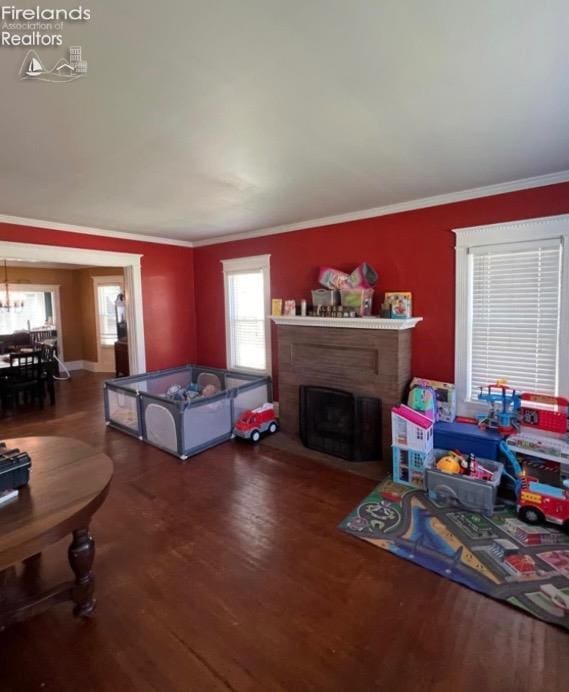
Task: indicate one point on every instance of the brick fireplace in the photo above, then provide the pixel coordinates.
(368, 357)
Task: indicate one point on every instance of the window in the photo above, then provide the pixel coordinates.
(106, 297)
(512, 308)
(37, 311)
(247, 296)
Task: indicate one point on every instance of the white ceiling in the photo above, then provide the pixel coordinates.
(203, 118)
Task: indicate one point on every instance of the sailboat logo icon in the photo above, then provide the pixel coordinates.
(35, 68)
(63, 70)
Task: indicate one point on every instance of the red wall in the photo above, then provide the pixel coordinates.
(412, 251)
(167, 288)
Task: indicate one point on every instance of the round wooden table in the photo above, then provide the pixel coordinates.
(68, 483)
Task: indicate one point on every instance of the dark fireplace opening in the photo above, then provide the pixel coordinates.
(339, 423)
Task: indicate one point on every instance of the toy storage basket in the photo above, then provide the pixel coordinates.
(463, 491)
(139, 406)
(358, 299)
(325, 296)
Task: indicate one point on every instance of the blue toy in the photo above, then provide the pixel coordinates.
(512, 467)
(504, 407)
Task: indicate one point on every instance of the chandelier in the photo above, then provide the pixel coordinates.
(6, 304)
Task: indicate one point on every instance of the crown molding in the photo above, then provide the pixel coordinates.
(437, 200)
(86, 230)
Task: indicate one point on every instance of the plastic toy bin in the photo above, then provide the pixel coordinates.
(138, 405)
(325, 296)
(463, 491)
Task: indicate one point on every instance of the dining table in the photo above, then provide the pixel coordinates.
(69, 481)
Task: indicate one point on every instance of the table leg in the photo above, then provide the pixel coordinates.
(81, 555)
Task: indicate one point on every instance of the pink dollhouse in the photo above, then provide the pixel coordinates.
(412, 445)
(411, 429)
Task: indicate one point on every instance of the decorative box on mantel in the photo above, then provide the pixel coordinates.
(367, 356)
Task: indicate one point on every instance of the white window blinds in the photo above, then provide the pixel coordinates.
(246, 319)
(106, 298)
(515, 318)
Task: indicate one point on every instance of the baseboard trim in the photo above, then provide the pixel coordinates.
(93, 366)
(74, 365)
(89, 365)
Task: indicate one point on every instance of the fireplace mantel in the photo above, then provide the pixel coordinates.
(347, 322)
(368, 357)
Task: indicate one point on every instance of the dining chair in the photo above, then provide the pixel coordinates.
(49, 368)
(22, 378)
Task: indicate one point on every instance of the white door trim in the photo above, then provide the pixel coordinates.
(103, 281)
(131, 264)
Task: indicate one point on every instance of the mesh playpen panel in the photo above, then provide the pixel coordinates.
(208, 378)
(123, 409)
(203, 424)
(161, 427)
(249, 399)
(232, 381)
(158, 385)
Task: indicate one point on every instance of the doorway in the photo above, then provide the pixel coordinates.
(132, 283)
(108, 290)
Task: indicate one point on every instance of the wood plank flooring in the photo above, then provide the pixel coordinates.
(228, 573)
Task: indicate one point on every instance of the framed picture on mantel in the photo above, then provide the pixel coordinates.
(290, 308)
(277, 307)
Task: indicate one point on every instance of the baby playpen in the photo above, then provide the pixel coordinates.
(145, 406)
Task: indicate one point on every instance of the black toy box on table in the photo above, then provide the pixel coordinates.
(183, 410)
(14, 468)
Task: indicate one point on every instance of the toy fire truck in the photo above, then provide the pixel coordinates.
(539, 502)
(251, 424)
(543, 442)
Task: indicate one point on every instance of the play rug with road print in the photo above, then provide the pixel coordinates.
(500, 556)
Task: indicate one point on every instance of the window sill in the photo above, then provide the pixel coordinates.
(249, 371)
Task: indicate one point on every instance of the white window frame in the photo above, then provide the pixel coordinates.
(46, 288)
(244, 265)
(103, 280)
(549, 227)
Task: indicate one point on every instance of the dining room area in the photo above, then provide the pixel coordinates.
(55, 318)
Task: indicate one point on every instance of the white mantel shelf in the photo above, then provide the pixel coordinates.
(347, 322)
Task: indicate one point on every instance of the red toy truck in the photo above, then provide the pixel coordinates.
(539, 502)
(251, 424)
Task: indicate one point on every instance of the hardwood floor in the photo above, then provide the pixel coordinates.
(228, 573)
